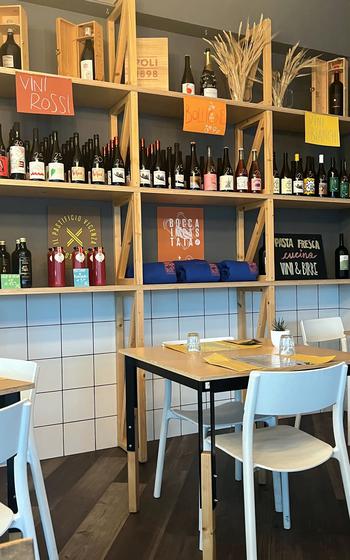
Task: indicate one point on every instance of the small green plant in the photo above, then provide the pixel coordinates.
(279, 325)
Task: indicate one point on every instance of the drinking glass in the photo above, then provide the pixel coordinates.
(287, 347)
(193, 342)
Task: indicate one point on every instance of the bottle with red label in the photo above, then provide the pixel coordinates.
(99, 267)
(90, 264)
(58, 268)
(79, 258)
(4, 163)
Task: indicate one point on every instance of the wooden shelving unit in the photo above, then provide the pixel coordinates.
(124, 103)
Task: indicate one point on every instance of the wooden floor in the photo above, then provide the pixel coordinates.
(88, 499)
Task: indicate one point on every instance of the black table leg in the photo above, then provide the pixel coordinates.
(131, 432)
(212, 446)
(7, 400)
(200, 440)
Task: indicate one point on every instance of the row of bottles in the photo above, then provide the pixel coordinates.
(207, 85)
(48, 160)
(166, 169)
(300, 180)
(20, 262)
(93, 259)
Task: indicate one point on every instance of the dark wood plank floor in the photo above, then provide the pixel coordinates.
(88, 499)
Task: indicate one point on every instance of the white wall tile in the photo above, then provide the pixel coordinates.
(158, 393)
(105, 400)
(216, 302)
(248, 301)
(149, 394)
(147, 305)
(76, 308)
(328, 296)
(233, 324)
(286, 298)
(77, 339)
(104, 337)
(150, 425)
(344, 293)
(164, 329)
(78, 404)
(216, 325)
(307, 297)
(49, 441)
(13, 343)
(44, 310)
(106, 432)
(78, 371)
(191, 324)
(50, 375)
(290, 317)
(328, 312)
(105, 369)
(48, 408)
(127, 305)
(164, 304)
(44, 342)
(148, 332)
(79, 437)
(232, 294)
(256, 301)
(191, 303)
(12, 311)
(104, 305)
(174, 426)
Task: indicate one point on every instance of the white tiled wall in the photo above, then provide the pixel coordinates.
(72, 337)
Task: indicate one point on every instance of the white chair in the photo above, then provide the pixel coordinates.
(27, 371)
(285, 448)
(14, 429)
(326, 330)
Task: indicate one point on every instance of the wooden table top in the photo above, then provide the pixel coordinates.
(192, 365)
(8, 386)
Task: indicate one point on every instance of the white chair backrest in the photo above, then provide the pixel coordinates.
(14, 429)
(21, 370)
(294, 392)
(323, 330)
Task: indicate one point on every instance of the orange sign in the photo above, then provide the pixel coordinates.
(204, 114)
(45, 95)
(180, 233)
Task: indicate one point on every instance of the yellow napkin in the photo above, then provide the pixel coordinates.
(229, 363)
(205, 346)
(313, 360)
(241, 346)
(178, 347)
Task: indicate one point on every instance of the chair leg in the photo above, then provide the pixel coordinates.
(348, 412)
(24, 518)
(238, 464)
(297, 421)
(344, 465)
(41, 497)
(285, 500)
(249, 511)
(277, 491)
(161, 455)
(206, 447)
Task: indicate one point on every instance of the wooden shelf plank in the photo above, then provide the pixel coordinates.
(310, 202)
(214, 198)
(46, 189)
(254, 286)
(67, 290)
(328, 282)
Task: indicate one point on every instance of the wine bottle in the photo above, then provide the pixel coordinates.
(24, 264)
(17, 155)
(46, 155)
(195, 178)
(341, 260)
(145, 173)
(159, 173)
(309, 177)
(333, 180)
(208, 80)
(118, 168)
(321, 180)
(179, 172)
(226, 180)
(276, 177)
(210, 178)
(169, 167)
(87, 60)
(336, 91)
(187, 83)
(10, 52)
(241, 175)
(298, 176)
(285, 177)
(262, 258)
(97, 169)
(56, 165)
(77, 169)
(90, 155)
(127, 167)
(4, 162)
(5, 261)
(254, 183)
(36, 160)
(14, 258)
(344, 182)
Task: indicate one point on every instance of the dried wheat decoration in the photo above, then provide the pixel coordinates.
(294, 64)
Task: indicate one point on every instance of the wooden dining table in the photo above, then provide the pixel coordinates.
(190, 369)
(10, 393)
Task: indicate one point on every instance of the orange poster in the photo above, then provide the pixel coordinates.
(44, 94)
(204, 114)
(180, 233)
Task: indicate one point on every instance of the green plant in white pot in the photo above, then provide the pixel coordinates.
(279, 328)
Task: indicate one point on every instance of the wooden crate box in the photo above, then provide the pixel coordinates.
(152, 63)
(70, 44)
(322, 77)
(15, 17)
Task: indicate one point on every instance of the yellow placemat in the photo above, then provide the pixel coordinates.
(245, 344)
(205, 346)
(228, 363)
(313, 360)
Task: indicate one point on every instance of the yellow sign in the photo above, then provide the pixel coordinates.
(322, 130)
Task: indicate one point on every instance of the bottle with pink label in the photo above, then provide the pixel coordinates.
(99, 267)
(210, 176)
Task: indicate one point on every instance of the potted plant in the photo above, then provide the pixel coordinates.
(279, 328)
